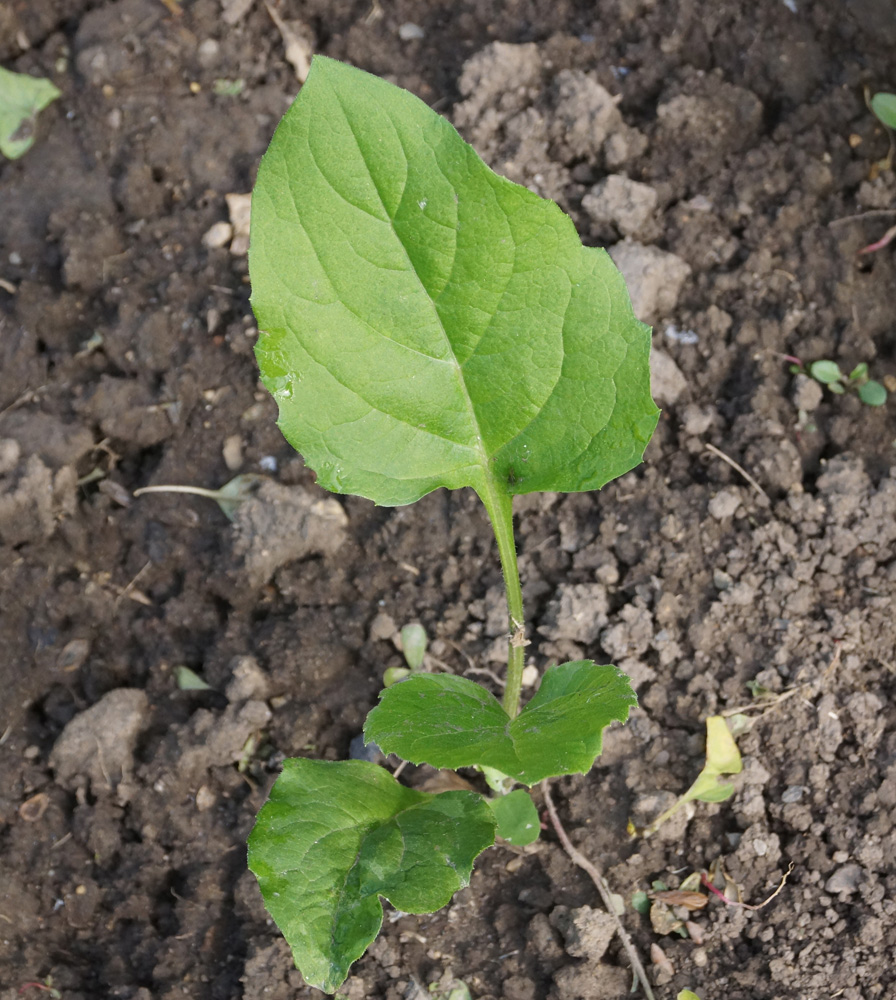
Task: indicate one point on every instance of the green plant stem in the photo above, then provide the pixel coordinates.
(499, 505)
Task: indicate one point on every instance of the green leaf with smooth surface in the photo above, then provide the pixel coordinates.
(872, 393)
(413, 644)
(722, 757)
(426, 323)
(884, 107)
(453, 722)
(335, 836)
(21, 98)
(189, 680)
(826, 372)
(517, 817)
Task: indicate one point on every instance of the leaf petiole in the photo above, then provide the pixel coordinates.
(499, 506)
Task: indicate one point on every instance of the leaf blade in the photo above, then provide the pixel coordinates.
(496, 349)
(333, 837)
(884, 107)
(452, 722)
(517, 817)
(22, 98)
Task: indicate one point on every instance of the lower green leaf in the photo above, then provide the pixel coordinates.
(517, 817)
(335, 836)
(453, 722)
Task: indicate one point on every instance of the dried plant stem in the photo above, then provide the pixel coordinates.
(579, 859)
(704, 878)
(738, 468)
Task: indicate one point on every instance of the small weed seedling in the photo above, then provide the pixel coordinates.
(22, 97)
(883, 107)
(722, 757)
(426, 323)
(828, 373)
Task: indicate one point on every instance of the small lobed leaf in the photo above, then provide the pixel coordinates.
(517, 817)
(426, 323)
(453, 722)
(884, 107)
(336, 836)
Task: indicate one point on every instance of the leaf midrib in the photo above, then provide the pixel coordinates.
(474, 418)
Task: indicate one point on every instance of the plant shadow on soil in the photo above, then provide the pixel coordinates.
(126, 359)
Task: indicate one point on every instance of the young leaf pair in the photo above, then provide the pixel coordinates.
(426, 323)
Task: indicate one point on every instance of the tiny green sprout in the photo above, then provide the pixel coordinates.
(828, 373)
(22, 97)
(189, 680)
(687, 995)
(884, 107)
(722, 757)
(413, 645)
(228, 497)
(392, 675)
(641, 902)
(427, 324)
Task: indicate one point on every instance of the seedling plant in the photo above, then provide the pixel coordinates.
(883, 107)
(828, 373)
(426, 323)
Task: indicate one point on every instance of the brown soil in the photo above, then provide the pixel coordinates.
(126, 360)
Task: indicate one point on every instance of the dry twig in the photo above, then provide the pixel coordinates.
(579, 859)
(704, 878)
(738, 468)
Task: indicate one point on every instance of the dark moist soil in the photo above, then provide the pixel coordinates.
(126, 360)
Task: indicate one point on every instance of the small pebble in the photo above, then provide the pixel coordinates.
(845, 879)
(32, 809)
(724, 504)
(794, 793)
(218, 236)
(382, 627)
(233, 452)
(807, 393)
(409, 32)
(357, 750)
(530, 676)
(205, 798)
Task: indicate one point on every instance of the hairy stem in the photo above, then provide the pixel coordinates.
(499, 505)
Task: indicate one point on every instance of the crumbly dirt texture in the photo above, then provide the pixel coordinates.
(725, 154)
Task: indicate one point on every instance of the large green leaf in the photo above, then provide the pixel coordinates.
(334, 837)
(453, 722)
(425, 322)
